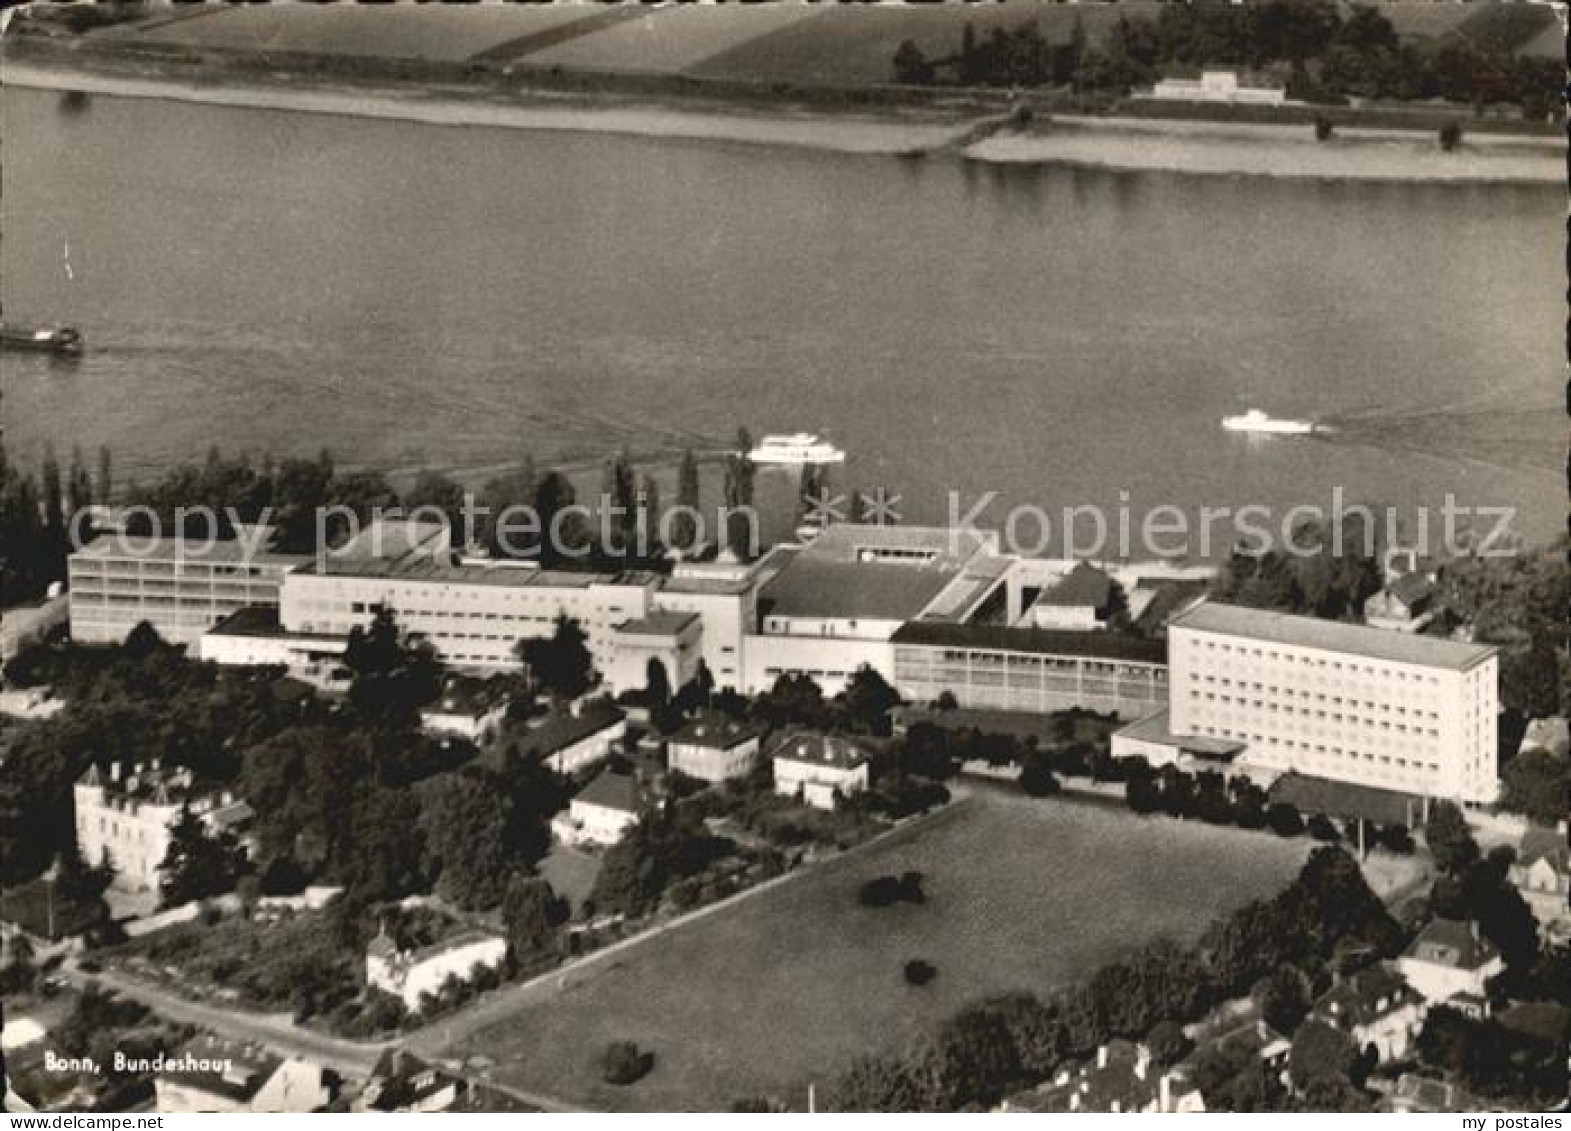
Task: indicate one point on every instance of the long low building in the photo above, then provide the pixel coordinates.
(1393, 710)
(1028, 669)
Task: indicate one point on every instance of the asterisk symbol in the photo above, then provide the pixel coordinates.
(823, 510)
(880, 508)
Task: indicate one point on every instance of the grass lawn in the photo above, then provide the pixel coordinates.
(785, 987)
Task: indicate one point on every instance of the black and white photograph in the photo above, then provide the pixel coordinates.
(966, 556)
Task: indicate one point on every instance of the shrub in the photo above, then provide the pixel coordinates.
(885, 891)
(1284, 820)
(623, 1063)
(1037, 780)
(1450, 136)
(1324, 128)
(919, 972)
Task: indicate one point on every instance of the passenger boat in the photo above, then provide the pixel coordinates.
(1256, 421)
(66, 341)
(795, 448)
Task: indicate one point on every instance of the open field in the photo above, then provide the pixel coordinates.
(669, 41)
(404, 31)
(782, 989)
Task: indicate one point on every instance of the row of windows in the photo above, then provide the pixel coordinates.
(1332, 716)
(1318, 696)
(1264, 653)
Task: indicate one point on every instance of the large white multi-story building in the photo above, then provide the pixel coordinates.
(182, 587)
(1396, 711)
(127, 817)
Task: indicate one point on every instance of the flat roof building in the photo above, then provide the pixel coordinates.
(1393, 710)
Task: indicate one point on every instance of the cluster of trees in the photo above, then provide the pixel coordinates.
(1517, 602)
(36, 513)
(1325, 572)
(796, 700)
(1322, 55)
(1495, 1060)
(1001, 1044)
(667, 845)
(1537, 784)
(1208, 796)
(1477, 887)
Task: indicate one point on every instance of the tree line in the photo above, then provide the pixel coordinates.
(1319, 53)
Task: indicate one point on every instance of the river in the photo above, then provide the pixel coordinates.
(408, 294)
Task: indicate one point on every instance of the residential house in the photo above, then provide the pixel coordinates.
(714, 748)
(1375, 1007)
(1216, 86)
(211, 1074)
(412, 974)
(818, 768)
(1406, 604)
(603, 810)
(1229, 1034)
(1550, 734)
(1121, 1079)
(402, 1082)
(1449, 964)
(1081, 601)
(127, 816)
(573, 742)
(469, 707)
(1542, 873)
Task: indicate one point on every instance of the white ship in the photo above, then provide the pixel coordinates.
(1256, 421)
(795, 448)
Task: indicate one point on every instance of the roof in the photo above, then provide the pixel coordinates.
(719, 731)
(1539, 843)
(235, 551)
(247, 1067)
(612, 790)
(1331, 636)
(1084, 586)
(261, 620)
(1041, 641)
(469, 696)
(1551, 734)
(1098, 1085)
(562, 731)
(657, 624)
(1447, 942)
(830, 750)
(811, 587)
(1364, 997)
(404, 1080)
(1346, 799)
(853, 541)
(1156, 727)
(1411, 588)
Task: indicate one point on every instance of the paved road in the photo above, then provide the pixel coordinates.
(277, 1032)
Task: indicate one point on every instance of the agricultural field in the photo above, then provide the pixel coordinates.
(403, 31)
(780, 989)
(670, 41)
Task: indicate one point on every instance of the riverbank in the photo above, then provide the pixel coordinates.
(1274, 150)
(1172, 145)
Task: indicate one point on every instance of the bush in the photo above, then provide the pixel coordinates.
(1324, 128)
(1037, 780)
(624, 1063)
(1283, 819)
(1321, 828)
(885, 891)
(919, 972)
(1450, 136)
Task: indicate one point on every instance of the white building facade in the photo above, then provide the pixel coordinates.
(1394, 711)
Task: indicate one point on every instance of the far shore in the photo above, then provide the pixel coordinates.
(1182, 146)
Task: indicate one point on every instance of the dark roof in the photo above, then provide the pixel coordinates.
(1448, 942)
(812, 587)
(1365, 996)
(719, 731)
(1084, 586)
(562, 731)
(1411, 588)
(1539, 843)
(469, 695)
(612, 790)
(820, 749)
(1331, 636)
(1346, 799)
(999, 638)
(405, 1080)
